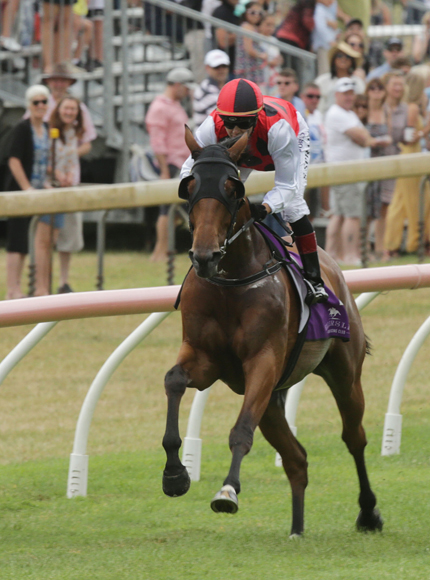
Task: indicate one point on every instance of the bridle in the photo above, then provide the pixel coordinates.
(216, 169)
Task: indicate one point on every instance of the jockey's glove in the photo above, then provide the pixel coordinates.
(258, 211)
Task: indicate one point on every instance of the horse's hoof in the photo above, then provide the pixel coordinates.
(369, 521)
(176, 485)
(225, 501)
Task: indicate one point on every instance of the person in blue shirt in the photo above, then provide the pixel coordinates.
(393, 49)
(287, 86)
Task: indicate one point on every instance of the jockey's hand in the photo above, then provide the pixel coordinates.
(258, 211)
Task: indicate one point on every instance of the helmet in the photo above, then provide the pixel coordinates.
(239, 98)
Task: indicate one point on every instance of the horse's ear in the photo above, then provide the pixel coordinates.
(192, 144)
(238, 148)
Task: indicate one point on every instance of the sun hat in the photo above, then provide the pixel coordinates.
(346, 49)
(216, 58)
(182, 76)
(343, 85)
(62, 70)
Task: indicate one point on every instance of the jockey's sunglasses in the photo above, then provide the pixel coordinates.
(244, 123)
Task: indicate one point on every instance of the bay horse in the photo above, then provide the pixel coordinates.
(244, 333)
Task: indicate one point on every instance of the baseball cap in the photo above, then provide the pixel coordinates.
(344, 84)
(181, 75)
(216, 58)
(394, 41)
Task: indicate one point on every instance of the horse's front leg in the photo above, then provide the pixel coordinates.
(259, 383)
(176, 480)
(193, 369)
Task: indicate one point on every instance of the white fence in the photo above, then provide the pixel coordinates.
(48, 310)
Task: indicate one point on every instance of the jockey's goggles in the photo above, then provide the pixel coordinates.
(240, 122)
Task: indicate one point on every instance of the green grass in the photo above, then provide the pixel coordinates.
(127, 529)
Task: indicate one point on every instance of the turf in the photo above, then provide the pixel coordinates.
(127, 529)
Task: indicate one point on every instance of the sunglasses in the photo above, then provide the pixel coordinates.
(40, 102)
(342, 55)
(313, 97)
(286, 83)
(245, 123)
(376, 89)
(255, 12)
(394, 48)
(361, 106)
(359, 44)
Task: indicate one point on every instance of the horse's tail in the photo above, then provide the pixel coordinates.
(368, 345)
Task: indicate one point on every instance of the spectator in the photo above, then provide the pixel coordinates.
(70, 239)
(393, 49)
(205, 96)
(28, 164)
(83, 31)
(8, 13)
(421, 42)
(356, 41)
(402, 64)
(250, 59)
(165, 122)
(195, 41)
(355, 26)
(68, 119)
(288, 86)
(208, 7)
(325, 33)
(311, 95)
(56, 32)
(343, 62)
(96, 9)
(346, 141)
(274, 59)
(297, 26)
(377, 125)
(380, 13)
(405, 202)
(227, 40)
(397, 119)
(360, 108)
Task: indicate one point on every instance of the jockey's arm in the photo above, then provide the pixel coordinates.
(290, 156)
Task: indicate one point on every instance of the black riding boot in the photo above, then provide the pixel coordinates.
(307, 245)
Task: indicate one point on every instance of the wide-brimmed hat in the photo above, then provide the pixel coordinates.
(61, 70)
(344, 47)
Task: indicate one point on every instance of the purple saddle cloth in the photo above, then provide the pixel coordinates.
(325, 320)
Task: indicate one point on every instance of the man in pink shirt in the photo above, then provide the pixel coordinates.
(165, 122)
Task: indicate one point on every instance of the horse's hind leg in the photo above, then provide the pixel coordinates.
(275, 429)
(350, 402)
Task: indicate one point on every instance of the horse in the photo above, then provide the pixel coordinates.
(243, 334)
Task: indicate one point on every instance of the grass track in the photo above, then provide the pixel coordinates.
(127, 529)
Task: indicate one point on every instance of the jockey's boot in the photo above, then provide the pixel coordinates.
(307, 246)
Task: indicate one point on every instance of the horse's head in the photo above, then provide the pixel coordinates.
(214, 193)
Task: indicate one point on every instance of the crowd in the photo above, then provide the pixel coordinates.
(68, 31)
(44, 152)
(367, 100)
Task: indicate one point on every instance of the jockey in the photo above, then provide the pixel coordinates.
(278, 140)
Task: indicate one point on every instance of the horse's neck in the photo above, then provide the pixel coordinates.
(246, 255)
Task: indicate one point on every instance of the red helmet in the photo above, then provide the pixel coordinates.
(240, 98)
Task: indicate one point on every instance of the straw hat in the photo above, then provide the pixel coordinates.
(62, 70)
(346, 49)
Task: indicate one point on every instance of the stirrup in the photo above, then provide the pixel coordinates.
(316, 293)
